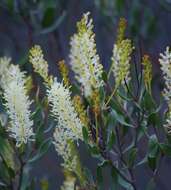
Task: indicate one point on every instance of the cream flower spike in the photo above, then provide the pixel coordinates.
(9, 71)
(4, 65)
(84, 59)
(63, 109)
(62, 140)
(165, 62)
(18, 106)
(69, 183)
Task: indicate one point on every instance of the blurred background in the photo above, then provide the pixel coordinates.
(51, 23)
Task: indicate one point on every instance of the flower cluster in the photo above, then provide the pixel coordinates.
(147, 72)
(84, 59)
(69, 126)
(165, 62)
(121, 62)
(40, 65)
(18, 106)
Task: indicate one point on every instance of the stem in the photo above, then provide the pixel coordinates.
(105, 105)
(97, 130)
(125, 178)
(130, 91)
(110, 70)
(122, 159)
(156, 132)
(22, 164)
(137, 79)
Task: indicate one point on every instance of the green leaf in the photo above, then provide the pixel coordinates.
(49, 17)
(154, 117)
(153, 146)
(94, 150)
(114, 175)
(119, 4)
(111, 140)
(10, 4)
(165, 149)
(26, 183)
(88, 175)
(143, 161)
(118, 179)
(132, 156)
(124, 183)
(99, 177)
(148, 103)
(44, 147)
(2, 184)
(120, 118)
(152, 162)
(102, 94)
(85, 134)
(55, 24)
(7, 152)
(151, 185)
(104, 76)
(165, 4)
(99, 173)
(153, 151)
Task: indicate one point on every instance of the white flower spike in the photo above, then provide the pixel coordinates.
(84, 59)
(63, 110)
(18, 106)
(165, 62)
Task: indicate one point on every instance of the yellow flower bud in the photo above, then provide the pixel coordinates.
(121, 30)
(64, 72)
(147, 72)
(79, 107)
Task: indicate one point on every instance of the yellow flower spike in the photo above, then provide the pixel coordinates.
(29, 84)
(64, 72)
(84, 24)
(121, 30)
(119, 40)
(96, 102)
(121, 62)
(147, 72)
(79, 107)
(44, 184)
(96, 110)
(120, 65)
(40, 65)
